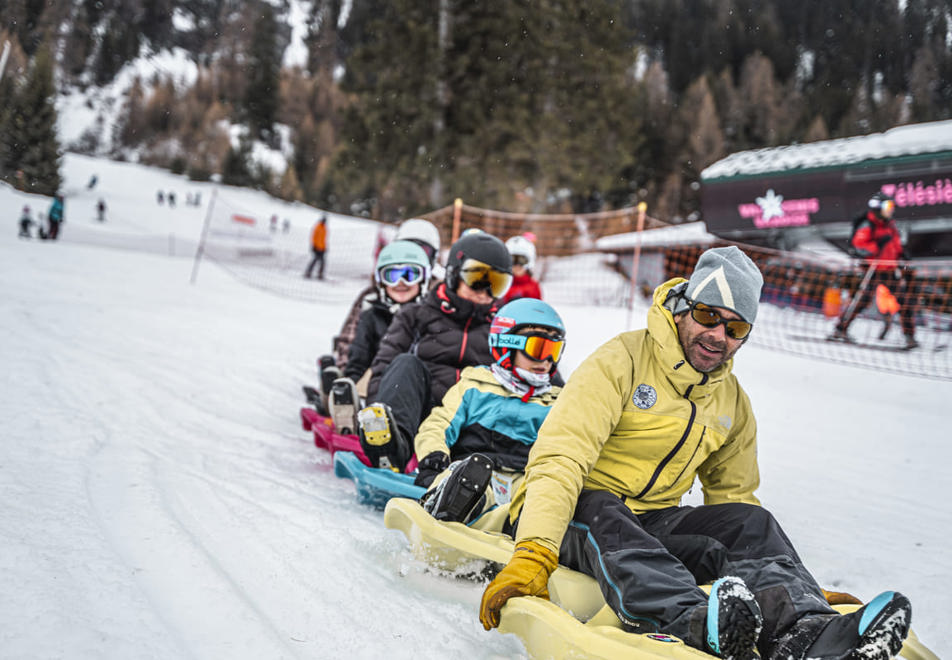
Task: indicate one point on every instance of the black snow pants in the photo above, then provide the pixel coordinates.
(405, 387)
(649, 566)
(318, 258)
(904, 288)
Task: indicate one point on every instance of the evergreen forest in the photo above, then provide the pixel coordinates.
(400, 106)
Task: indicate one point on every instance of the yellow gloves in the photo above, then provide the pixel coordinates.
(840, 598)
(526, 574)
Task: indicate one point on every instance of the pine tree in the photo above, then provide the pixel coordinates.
(263, 70)
(386, 148)
(322, 37)
(118, 45)
(703, 142)
(30, 148)
(236, 169)
(758, 88)
(289, 187)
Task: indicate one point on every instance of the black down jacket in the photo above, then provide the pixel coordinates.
(371, 328)
(444, 331)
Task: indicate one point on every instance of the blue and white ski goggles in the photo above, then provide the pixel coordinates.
(409, 273)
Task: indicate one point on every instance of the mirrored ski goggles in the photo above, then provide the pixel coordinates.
(888, 207)
(480, 276)
(537, 347)
(520, 260)
(409, 273)
(710, 318)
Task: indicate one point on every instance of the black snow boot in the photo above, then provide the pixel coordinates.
(314, 398)
(731, 621)
(327, 373)
(343, 404)
(458, 496)
(876, 631)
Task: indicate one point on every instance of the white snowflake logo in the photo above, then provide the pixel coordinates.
(645, 396)
(771, 205)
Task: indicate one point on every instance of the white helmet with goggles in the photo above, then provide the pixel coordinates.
(522, 250)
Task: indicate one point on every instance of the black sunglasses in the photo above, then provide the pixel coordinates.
(710, 318)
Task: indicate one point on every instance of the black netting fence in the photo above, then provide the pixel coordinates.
(602, 259)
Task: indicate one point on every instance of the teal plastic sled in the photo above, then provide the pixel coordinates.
(375, 486)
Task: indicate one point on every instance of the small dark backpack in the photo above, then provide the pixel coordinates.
(850, 248)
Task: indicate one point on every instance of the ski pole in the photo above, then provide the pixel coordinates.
(862, 287)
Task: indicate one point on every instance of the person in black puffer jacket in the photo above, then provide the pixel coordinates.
(429, 344)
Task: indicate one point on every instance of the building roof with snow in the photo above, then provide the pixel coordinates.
(689, 233)
(913, 139)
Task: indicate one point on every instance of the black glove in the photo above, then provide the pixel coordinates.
(431, 465)
(883, 240)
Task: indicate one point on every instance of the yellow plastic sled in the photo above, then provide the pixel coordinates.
(576, 623)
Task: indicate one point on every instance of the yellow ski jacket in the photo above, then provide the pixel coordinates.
(637, 420)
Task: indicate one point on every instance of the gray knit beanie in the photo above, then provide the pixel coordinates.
(724, 277)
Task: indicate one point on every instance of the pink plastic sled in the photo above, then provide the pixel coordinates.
(327, 437)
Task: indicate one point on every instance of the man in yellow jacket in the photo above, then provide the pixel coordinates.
(318, 248)
(643, 416)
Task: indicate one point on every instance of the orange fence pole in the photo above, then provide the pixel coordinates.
(457, 210)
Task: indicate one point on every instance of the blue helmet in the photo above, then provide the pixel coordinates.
(517, 315)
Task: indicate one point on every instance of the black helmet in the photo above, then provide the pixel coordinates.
(482, 261)
(882, 204)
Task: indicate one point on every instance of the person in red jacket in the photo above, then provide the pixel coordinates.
(524, 285)
(876, 240)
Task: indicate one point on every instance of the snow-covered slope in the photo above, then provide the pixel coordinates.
(161, 501)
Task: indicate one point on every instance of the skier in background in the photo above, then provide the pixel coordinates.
(876, 240)
(318, 248)
(54, 217)
(101, 210)
(26, 222)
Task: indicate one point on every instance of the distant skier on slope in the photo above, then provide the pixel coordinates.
(54, 218)
(318, 248)
(26, 222)
(876, 240)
